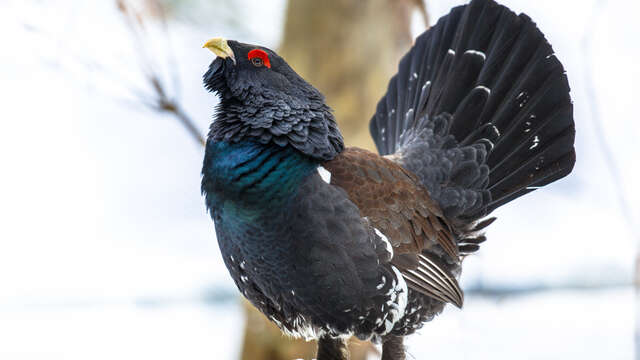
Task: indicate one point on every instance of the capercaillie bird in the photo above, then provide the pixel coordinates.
(329, 241)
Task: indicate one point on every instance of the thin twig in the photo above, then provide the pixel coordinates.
(159, 99)
(175, 109)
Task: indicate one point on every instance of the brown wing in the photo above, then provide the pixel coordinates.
(400, 208)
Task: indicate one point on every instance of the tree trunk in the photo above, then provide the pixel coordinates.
(348, 49)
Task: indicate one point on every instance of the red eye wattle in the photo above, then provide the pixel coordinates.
(260, 54)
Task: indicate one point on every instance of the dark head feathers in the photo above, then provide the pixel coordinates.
(263, 99)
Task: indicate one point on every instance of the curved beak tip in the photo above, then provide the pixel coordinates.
(220, 47)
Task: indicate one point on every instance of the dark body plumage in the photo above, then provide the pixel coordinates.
(329, 242)
(298, 249)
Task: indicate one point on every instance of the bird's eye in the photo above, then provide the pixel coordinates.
(259, 58)
(257, 62)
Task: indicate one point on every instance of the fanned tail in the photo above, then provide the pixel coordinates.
(479, 110)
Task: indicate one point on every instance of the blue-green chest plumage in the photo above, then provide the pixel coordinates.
(295, 246)
(250, 189)
(251, 179)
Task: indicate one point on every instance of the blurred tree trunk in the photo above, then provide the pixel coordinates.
(348, 49)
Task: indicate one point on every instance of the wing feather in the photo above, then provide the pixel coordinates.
(400, 208)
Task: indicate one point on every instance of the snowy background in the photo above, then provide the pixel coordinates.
(106, 251)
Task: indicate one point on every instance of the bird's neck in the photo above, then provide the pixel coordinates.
(250, 176)
(307, 126)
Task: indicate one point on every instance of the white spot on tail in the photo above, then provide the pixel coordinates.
(477, 53)
(536, 141)
(486, 89)
(324, 174)
(424, 87)
(451, 52)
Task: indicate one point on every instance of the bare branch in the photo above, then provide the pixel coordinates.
(159, 98)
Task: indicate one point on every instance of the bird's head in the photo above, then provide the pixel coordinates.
(262, 99)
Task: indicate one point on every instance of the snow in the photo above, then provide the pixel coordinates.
(558, 325)
(121, 331)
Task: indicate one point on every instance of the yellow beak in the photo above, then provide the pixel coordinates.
(220, 47)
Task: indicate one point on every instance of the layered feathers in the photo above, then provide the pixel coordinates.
(478, 114)
(270, 105)
(479, 111)
(308, 260)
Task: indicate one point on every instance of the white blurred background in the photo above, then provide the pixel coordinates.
(106, 250)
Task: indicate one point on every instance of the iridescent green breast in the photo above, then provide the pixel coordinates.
(250, 176)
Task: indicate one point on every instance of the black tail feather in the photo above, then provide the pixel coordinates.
(510, 126)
